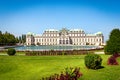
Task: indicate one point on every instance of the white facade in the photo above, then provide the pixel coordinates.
(65, 37)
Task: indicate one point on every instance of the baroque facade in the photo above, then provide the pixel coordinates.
(65, 37)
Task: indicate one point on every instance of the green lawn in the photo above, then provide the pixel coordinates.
(35, 67)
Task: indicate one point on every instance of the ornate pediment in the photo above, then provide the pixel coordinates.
(64, 31)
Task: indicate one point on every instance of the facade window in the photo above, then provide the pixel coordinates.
(83, 39)
(60, 42)
(100, 40)
(28, 40)
(79, 40)
(97, 40)
(66, 41)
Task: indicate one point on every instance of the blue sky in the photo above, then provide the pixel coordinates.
(22, 16)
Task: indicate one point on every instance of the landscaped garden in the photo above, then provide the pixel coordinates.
(42, 65)
(36, 67)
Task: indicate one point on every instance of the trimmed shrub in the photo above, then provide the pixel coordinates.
(112, 60)
(69, 74)
(93, 61)
(11, 51)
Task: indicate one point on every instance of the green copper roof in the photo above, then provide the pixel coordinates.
(30, 33)
(98, 33)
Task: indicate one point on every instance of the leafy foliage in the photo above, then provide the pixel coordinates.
(11, 51)
(113, 44)
(112, 59)
(7, 39)
(69, 74)
(93, 61)
(116, 55)
(22, 39)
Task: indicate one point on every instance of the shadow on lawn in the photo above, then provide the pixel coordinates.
(101, 67)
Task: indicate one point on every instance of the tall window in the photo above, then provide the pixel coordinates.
(60, 42)
(66, 41)
(97, 40)
(53, 40)
(100, 40)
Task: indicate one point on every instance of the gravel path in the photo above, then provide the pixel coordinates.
(99, 53)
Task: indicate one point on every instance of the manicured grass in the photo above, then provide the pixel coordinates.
(35, 67)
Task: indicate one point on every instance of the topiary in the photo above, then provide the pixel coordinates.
(93, 61)
(11, 51)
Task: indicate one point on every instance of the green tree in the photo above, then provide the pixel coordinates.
(23, 38)
(1, 38)
(20, 39)
(17, 40)
(113, 44)
(7, 39)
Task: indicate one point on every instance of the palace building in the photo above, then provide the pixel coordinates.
(64, 37)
